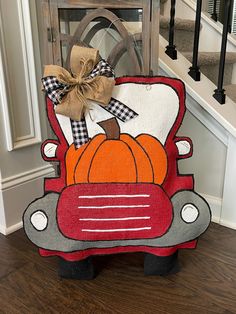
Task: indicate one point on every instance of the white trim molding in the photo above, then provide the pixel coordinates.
(16, 192)
(4, 91)
(215, 204)
(14, 140)
(26, 176)
(6, 231)
(228, 224)
(228, 215)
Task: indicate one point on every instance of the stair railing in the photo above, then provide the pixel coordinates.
(194, 69)
(214, 13)
(170, 49)
(219, 92)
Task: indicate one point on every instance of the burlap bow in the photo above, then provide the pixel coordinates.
(80, 87)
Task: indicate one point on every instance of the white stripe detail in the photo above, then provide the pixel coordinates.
(115, 230)
(114, 196)
(114, 219)
(115, 206)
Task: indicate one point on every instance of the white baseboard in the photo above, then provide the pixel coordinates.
(2, 229)
(216, 209)
(6, 231)
(215, 204)
(228, 224)
(17, 192)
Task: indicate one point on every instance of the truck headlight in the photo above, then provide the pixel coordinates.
(39, 220)
(189, 213)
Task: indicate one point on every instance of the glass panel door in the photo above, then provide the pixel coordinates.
(121, 34)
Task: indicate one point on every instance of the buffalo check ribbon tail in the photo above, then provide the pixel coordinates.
(115, 107)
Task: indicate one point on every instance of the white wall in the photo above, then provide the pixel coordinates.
(2, 213)
(22, 114)
(207, 163)
(208, 160)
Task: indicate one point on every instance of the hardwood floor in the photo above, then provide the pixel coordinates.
(206, 284)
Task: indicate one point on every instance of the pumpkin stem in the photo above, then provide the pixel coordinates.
(111, 128)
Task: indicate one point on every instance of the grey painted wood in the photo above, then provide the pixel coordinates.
(48, 15)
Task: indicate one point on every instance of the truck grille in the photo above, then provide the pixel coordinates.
(102, 211)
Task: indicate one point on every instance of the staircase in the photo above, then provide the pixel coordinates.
(207, 61)
(210, 124)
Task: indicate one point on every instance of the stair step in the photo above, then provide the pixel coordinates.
(230, 91)
(209, 64)
(211, 58)
(180, 24)
(184, 32)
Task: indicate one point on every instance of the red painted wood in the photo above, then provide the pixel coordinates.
(173, 182)
(147, 207)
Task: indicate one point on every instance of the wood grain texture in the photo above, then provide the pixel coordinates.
(146, 39)
(56, 46)
(134, 4)
(44, 22)
(49, 14)
(118, 51)
(112, 18)
(155, 27)
(206, 284)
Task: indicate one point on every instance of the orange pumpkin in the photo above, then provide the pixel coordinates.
(115, 157)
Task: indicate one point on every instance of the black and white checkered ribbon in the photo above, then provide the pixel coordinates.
(120, 110)
(103, 68)
(56, 90)
(79, 132)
